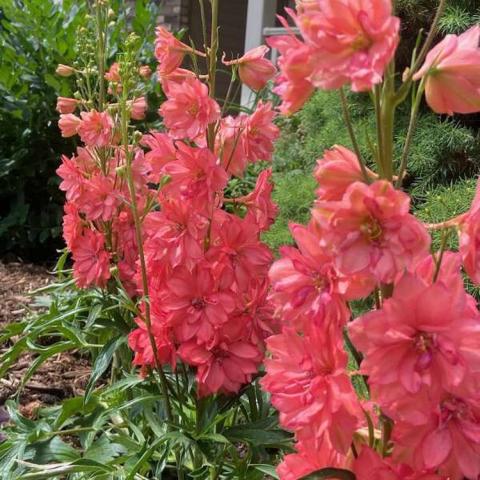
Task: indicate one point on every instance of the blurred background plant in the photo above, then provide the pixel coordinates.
(36, 36)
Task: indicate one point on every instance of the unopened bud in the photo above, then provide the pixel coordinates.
(111, 13)
(121, 171)
(406, 74)
(64, 70)
(137, 136)
(145, 71)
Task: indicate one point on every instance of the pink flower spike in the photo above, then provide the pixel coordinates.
(69, 124)
(452, 74)
(254, 70)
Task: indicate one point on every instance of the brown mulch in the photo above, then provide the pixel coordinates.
(60, 377)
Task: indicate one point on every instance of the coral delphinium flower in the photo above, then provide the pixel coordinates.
(452, 74)
(343, 42)
(254, 69)
(424, 336)
(189, 109)
(96, 128)
(336, 171)
(307, 379)
(169, 51)
(91, 260)
(372, 231)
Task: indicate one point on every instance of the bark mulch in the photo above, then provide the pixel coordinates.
(60, 377)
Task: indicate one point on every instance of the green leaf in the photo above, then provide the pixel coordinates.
(47, 472)
(103, 450)
(267, 469)
(261, 433)
(53, 450)
(101, 364)
(331, 473)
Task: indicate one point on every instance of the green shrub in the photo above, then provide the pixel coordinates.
(294, 193)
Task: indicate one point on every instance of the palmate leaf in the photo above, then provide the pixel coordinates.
(331, 473)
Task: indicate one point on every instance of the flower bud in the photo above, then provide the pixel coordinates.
(64, 70)
(145, 71)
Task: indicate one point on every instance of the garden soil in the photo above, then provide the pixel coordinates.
(62, 376)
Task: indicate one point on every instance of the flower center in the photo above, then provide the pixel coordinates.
(193, 110)
(454, 408)
(424, 344)
(371, 229)
(319, 282)
(198, 303)
(361, 42)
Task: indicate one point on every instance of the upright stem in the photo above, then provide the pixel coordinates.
(101, 55)
(351, 132)
(378, 118)
(423, 52)
(387, 118)
(430, 36)
(141, 254)
(212, 71)
(410, 133)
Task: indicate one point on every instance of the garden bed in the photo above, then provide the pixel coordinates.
(62, 376)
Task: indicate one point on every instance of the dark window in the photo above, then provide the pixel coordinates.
(281, 5)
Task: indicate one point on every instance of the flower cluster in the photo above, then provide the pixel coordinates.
(203, 268)
(207, 268)
(343, 42)
(414, 412)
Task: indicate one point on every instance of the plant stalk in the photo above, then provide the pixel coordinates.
(351, 132)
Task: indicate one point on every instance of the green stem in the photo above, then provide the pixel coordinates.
(212, 69)
(378, 118)
(101, 55)
(424, 51)
(141, 253)
(387, 428)
(439, 260)
(351, 132)
(410, 133)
